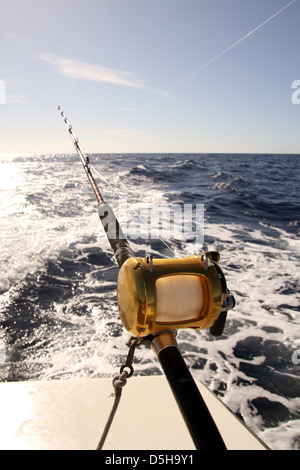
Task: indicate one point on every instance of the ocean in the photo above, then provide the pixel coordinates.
(58, 308)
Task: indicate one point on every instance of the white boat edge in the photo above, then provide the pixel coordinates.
(71, 414)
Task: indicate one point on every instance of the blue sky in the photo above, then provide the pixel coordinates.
(150, 75)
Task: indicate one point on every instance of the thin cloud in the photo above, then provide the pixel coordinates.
(13, 37)
(17, 99)
(127, 134)
(78, 70)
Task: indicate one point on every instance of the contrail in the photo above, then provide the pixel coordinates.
(230, 47)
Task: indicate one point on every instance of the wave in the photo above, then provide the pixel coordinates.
(58, 307)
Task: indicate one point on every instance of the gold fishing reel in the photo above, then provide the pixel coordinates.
(162, 294)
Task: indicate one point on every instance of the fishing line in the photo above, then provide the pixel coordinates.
(87, 166)
(125, 200)
(230, 47)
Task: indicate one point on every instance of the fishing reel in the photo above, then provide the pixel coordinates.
(162, 294)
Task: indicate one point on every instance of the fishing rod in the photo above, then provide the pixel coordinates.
(115, 235)
(156, 297)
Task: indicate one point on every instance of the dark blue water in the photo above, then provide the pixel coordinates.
(58, 310)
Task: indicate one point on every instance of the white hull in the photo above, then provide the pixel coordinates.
(71, 414)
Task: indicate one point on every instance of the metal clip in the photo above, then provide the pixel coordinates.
(204, 259)
(149, 260)
(128, 363)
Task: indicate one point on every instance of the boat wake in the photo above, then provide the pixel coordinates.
(58, 306)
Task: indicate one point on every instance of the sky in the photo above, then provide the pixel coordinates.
(145, 76)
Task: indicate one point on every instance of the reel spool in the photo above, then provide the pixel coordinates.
(162, 294)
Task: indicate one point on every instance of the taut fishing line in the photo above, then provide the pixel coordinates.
(230, 47)
(135, 211)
